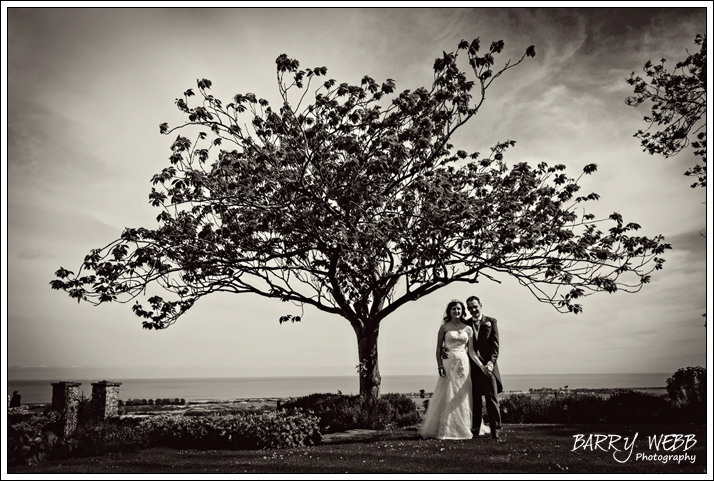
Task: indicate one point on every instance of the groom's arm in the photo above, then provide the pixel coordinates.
(494, 341)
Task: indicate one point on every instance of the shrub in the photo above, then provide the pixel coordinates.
(273, 430)
(521, 408)
(580, 408)
(516, 408)
(625, 407)
(339, 412)
(632, 407)
(405, 413)
(277, 429)
(97, 438)
(691, 413)
(32, 437)
(568, 408)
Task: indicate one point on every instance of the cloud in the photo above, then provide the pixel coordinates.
(691, 242)
(32, 253)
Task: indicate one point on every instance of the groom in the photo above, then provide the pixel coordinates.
(486, 382)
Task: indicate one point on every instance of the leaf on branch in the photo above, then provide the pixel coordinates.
(530, 51)
(120, 251)
(497, 47)
(204, 84)
(590, 168)
(289, 318)
(576, 292)
(286, 64)
(107, 298)
(388, 86)
(63, 273)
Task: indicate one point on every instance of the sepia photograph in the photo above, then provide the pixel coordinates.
(356, 239)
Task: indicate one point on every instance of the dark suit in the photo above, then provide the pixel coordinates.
(486, 347)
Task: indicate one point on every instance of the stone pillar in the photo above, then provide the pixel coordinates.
(65, 399)
(105, 399)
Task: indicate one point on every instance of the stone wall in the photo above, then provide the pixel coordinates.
(65, 399)
(105, 399)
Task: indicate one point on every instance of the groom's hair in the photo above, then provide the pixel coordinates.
(474, 298)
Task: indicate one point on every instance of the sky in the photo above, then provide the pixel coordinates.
(86, 90)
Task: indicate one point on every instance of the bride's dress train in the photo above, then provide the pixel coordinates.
(449, 413)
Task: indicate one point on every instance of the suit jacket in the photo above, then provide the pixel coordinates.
(486, 345)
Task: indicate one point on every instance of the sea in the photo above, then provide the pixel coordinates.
(231, 388)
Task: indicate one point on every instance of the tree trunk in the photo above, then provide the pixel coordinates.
(368, 367)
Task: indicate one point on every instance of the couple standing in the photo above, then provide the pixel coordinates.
(466, 354)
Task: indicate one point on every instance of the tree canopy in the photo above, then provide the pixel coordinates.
(356, 203)
(679, 106)
(688, 387)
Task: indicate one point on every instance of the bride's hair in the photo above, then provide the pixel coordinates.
(454, 302)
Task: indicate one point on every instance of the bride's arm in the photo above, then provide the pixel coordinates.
(472, 352)
(439, 343)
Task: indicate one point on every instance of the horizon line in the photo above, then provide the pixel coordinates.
(278, 376)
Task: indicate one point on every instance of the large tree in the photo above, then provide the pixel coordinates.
(678, 108)
(688, 387)
(355, 204)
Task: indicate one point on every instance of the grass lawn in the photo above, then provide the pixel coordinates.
(523, 448)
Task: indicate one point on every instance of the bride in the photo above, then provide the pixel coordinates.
(449, 413)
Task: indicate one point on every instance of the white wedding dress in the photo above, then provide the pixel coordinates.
(449, 413)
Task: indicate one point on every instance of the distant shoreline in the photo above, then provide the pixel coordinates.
(256, 404)
(273, 400)
(428, 394)
(202, 389)
(16, 374)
